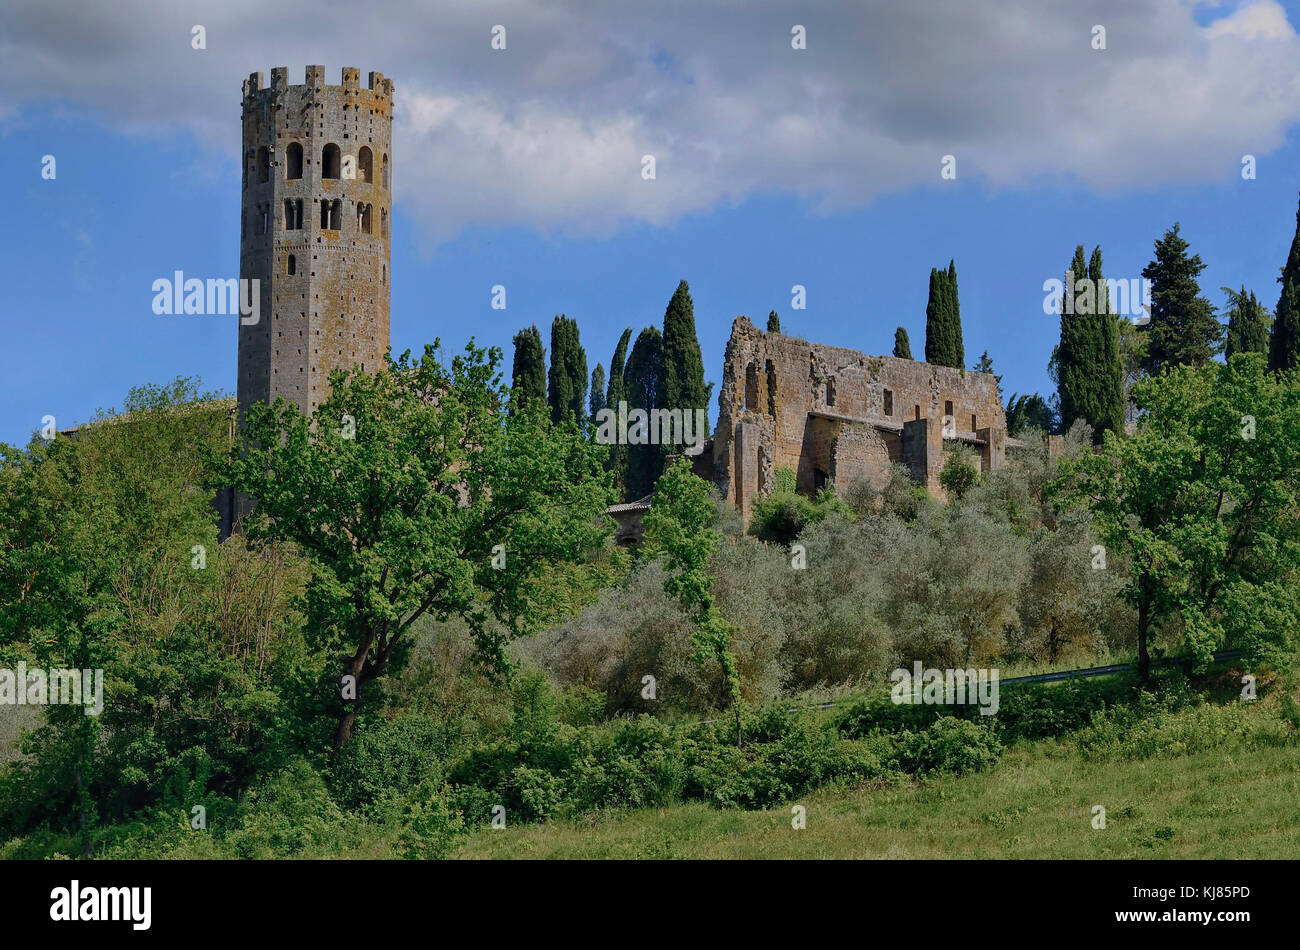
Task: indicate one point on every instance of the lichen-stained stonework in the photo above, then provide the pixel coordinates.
(836, 415)
(315, 230)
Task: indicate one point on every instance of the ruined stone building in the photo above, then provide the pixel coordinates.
(833, 414)
(315, 230)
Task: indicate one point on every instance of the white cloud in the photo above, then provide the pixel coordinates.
(550, 133)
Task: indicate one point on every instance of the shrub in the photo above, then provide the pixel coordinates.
(949, 745)
(959, 473)
(1125, 734)
(290, 814)
(431, 823)
(386, 758)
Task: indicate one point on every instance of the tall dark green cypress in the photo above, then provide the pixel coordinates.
(597, 391)
(934, 316)
(1248, 330)
(943, 337)
(1072, 354)
(773, 322)
(1182, 330)
(683, 379)
(1284, 346)
(644, 382)
(1108, 371)
(902, 345)
(566, 390)
(528, 375)
(616, 393)
(954, 316)
(1089, 372)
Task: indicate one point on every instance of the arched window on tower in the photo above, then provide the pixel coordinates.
(385, 172)
(336, 214)
(263, 164)
(365, 165)
(363, 218)
(383, 221)
(325, 214)
(330, 161)
(293, 157)
(293, 265)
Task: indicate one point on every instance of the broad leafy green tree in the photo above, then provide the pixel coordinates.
(679, 526)
(416, 494)
(1202, 503)
(109, 560)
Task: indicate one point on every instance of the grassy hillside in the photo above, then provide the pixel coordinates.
(1236, 800)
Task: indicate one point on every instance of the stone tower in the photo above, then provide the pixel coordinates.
(315, 231)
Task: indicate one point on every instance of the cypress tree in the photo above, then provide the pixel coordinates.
(1107, 389)
(1284, 346)
(773, 322)
(597, 391)
(943, 339)
(1247, 323)
(1089, 371)
(615, 394)
(683, 367)
(954, 317)
(566, 390)
(933, 317)
(1182, 330)
(902, 345)
(1072, 355)
(528, 375)
(645, 390)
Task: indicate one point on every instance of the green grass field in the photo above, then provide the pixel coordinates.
(1238, 801)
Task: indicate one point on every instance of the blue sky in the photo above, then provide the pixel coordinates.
(836, 188)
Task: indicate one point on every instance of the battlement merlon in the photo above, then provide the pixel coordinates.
(350, 80)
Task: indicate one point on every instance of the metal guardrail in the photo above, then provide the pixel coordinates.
(1085, 673)
(1107, 670)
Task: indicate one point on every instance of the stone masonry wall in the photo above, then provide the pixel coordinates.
(324, 274)
(832, 413)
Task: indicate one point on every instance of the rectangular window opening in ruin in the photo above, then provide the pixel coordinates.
(751, 387)
(974, 423)
(889, 403)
